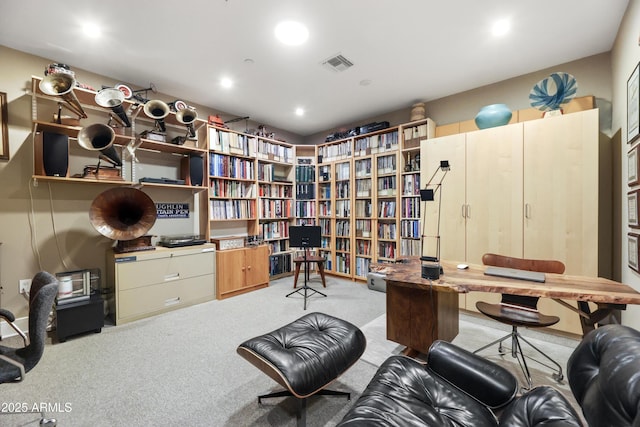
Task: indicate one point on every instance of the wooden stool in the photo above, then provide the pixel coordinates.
(310, 258)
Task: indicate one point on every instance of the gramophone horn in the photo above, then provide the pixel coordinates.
(99, 137)
(157, 110)
(122, 213)
(62, 84)
(112, 98)
(187, 116)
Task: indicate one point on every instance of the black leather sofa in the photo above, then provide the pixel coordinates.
(458, 388)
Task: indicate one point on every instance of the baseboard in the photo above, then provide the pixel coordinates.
(7, 331)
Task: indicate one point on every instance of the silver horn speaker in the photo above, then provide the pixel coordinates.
(157, 110)
(99, 137)
(187, 116)
(112, 98)
(62, 84)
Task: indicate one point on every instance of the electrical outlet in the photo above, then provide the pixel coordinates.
(25, 286)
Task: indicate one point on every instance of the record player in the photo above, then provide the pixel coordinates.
(177, 241)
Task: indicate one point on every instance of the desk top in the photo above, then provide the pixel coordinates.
(559, 286)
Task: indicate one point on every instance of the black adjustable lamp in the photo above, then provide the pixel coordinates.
(431, 268)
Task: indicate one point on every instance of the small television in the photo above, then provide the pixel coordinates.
(304, 236)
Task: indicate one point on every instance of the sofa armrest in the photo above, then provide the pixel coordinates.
(482, 379)
(542, 406)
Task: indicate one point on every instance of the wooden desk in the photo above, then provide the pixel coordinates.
(420, 311)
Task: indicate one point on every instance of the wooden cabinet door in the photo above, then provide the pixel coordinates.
(452, 194)
(257, 265)
(494, 192)
(230, 270)
(493, 210)
(561, 190)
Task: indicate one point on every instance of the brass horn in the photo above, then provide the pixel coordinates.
(112, 98)
(122, 213)
(157, 110)
(62, 84)
(99, 137)
(187, 116)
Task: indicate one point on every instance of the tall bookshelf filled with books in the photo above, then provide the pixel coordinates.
(342, 237)
(325, 214)
(305, 189)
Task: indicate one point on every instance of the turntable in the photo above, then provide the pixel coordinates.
(178, 241)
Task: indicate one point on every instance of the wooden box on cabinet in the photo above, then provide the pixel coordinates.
(242, 270)
(142, 284)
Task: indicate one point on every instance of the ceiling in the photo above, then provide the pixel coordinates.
(406, 50)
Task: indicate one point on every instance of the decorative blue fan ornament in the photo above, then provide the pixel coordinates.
(550, 93)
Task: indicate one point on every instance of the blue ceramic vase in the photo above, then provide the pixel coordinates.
(493, 115)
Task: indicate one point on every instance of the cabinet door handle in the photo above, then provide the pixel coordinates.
(172, 276)
(468, 211)
(464, 211)
(172, 301)
(527, 210)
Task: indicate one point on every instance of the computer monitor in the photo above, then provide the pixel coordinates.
(304, 236)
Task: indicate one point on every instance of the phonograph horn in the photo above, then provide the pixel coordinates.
(62, 84)
(187, 116)
(112, 98)
(157, 110)
(99, 137)
(122, 213)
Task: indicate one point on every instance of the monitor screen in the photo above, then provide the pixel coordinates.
(304, 236)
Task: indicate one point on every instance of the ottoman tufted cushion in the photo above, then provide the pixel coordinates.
(308, 354)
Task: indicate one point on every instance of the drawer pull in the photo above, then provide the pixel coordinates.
(174, 276)
(172, 301)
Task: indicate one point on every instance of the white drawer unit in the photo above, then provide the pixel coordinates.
(142, 284)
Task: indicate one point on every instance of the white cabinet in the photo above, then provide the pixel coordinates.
(143, 284)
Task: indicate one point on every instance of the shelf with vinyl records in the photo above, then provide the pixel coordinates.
(108, 149)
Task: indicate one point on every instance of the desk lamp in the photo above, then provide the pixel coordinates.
(431, 268)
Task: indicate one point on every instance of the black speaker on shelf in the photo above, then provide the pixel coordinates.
(55, 153)
(196, 169)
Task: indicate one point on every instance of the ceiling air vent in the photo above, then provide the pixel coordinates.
(337, 63)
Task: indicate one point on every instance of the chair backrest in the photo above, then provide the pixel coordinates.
(44, 288)
(541, 265)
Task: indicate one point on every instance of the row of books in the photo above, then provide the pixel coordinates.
(325, 227)
(386, 249)
(324, 208)
(270, 208)
(410, 228)
(342, 189)
(363, 228)
(271, 150)
(411, 207)
(232, 143)
(363, 167)
(343, 208)
(279, 264)
(411, 185)
(274, 230)
(363, 187)
(410, 247)
(362, 266)
(275, 190)
(232, 209)
(230, 167)
(343, 263)
(343, 171)
(305, 173)
(364, 209)
(363, 247)
(327, 153)
(386, 209)
(305, 191)
(343, 244)
(386, 165)
(387, 231)
(305, 209)
(232, 189)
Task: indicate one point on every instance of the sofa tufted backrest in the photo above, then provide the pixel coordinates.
(604, 375)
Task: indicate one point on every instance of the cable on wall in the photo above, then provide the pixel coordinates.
(32, 227)
(53, 225)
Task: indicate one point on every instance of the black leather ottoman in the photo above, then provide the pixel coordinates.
(305, 356)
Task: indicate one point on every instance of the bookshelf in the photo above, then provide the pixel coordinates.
(342, 184)
(410, 226)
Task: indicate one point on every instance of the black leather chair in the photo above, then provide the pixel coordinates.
(454, 388)
(521, 311)
(604, 375)
(16, 362)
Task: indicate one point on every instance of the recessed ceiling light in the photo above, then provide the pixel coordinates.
(249, 61)
(365, 82)
(291, 33)
(501, 27)
(226, 83)
(299, 111)
(91, 29)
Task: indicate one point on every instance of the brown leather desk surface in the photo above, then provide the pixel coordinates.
(557, 286)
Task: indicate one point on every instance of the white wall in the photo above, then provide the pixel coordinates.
(624, 58)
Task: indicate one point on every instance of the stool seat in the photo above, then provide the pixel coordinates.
(298, 261)
(306, 356)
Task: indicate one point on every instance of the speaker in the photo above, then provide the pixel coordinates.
(196, 169)
(55, 153)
